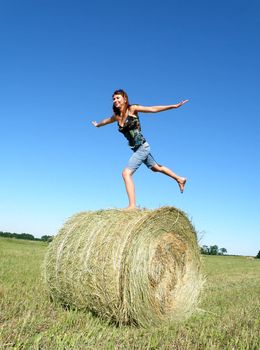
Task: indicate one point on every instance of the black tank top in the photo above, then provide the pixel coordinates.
(132, 131)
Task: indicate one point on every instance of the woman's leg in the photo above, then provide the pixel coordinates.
(164, 170)
(137, 158)
(130, 187)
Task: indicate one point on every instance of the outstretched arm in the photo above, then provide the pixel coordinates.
(155, 109)
(104, 122)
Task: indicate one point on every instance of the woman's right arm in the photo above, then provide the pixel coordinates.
(104, 122)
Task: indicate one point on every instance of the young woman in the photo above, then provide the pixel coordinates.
(127, 119)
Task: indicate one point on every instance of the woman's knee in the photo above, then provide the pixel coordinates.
(126, 173)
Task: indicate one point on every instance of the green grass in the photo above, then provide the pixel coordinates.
(229, 316)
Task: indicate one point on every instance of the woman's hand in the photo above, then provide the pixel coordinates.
(95, 124)
(104, 121)
(181, 103)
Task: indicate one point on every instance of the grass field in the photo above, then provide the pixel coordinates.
(228, 319)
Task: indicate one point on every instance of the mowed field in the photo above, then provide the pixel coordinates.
(228, 315)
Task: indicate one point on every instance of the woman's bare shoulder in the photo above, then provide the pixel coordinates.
(133, 109)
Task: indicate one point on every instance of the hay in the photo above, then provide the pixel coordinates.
(130, 267)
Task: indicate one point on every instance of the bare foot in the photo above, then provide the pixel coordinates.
(130, 207)
(182, 183)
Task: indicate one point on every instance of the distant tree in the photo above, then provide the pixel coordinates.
(222, 251)
(5, 234)
(258, 255)
(204, 249)
(46, 238)
(25, 236)
(213, 250)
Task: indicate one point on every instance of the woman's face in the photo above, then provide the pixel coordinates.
(119, 101)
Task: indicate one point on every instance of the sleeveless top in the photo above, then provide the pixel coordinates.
(132, 131)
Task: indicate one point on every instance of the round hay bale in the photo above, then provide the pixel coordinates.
(130, 267)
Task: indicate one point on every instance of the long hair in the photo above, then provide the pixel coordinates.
(124, 94)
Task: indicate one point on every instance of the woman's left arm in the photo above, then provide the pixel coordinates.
(155, 109)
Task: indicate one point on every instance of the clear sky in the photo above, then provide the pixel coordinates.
(61, 62)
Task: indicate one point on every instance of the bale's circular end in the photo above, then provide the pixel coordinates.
(140, 267)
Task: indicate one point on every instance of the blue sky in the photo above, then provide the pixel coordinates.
(61, 62)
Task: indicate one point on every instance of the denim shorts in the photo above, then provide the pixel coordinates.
(141, 155)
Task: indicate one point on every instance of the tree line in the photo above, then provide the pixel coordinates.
(27, 236)
(215, 250)
(212, 250)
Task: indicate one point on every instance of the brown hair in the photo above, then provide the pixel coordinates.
(124, 94)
